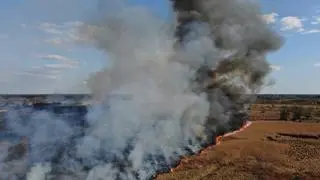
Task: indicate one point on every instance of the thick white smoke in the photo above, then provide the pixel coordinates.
(148, 111)
(151, 93)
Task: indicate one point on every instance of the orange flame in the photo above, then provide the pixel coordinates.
(219, 138)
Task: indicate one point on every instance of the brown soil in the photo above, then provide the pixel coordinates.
(265, 150)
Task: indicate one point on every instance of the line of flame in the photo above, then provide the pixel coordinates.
(219, 138)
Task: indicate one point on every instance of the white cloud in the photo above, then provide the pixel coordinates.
(55, 41)
(270, 18)
(51, 70)
(53, 31)
(43, 70)
(64, 33)
(275, 67)
(39, 73)
(73, 24)
(56, 57)
(59, 66)
(292, 23)
(316, 20)
(311, 31)
(317, 64)
(50, 28)
(48, 71)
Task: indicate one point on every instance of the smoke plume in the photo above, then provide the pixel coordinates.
(171, 86)
(164, 68)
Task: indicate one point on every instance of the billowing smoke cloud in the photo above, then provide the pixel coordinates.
(165, 69)
(235, 27)
(171, 86)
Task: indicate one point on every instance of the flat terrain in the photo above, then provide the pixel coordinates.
(282, 143)
(285, 112)
(265, 150)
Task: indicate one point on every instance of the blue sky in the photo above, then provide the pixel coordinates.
(38, 54)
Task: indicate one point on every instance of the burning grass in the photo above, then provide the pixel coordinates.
(251, 155)
(204, 74)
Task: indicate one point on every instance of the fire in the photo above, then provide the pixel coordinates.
(219, 138)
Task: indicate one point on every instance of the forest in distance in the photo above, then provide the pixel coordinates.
(284, 107)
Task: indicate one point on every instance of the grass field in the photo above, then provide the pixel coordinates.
(289, 112)
(259, 152)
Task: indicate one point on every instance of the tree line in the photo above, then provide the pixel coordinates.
(296, 113)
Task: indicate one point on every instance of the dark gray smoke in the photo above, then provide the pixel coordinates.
(234, 26)
(171, 86)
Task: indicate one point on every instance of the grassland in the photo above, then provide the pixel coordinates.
(285, 112)
(260, 152)
(283, 142)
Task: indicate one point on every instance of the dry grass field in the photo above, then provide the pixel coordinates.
(288, 112)
(265, 150)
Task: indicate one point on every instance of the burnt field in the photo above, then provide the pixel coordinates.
(24, 114)
(290, 144)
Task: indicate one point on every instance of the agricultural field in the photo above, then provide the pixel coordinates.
(265, 150)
